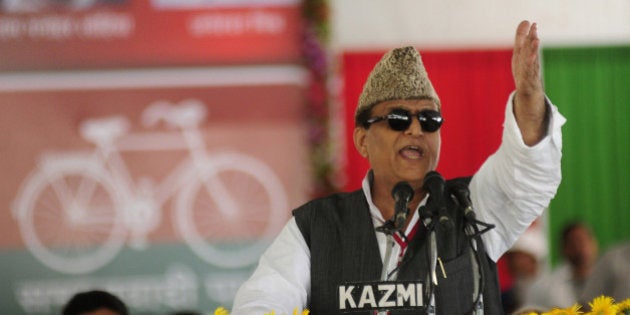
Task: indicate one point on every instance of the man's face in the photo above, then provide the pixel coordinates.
(396, 156)
(580, 247)
(522, 264)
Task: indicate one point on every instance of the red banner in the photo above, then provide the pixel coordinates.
(127, 33)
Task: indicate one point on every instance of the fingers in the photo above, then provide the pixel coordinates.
(526, 40)
(521, 34)
(522, 30)
(526, 31)
(532, 37)
(533, 31)
(526, 59)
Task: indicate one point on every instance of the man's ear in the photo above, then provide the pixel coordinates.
(359, 141)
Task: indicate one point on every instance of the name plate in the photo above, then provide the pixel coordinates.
(380, 296)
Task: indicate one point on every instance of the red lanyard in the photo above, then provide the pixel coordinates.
(404, 241)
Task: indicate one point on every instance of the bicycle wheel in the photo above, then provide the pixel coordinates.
(231, 210)
(68, 217)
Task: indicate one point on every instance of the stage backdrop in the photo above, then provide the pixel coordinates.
(152, 148)
(164, 195)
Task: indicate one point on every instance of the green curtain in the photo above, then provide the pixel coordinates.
(591, 87)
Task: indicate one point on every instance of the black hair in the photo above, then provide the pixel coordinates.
(93, 300)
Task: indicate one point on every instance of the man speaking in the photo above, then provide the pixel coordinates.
(351, 252)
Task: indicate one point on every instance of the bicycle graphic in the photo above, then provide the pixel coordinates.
(77, 210)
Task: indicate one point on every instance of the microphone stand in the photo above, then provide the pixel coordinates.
(430, 224)
(402, 194)
(477, 255)
(472, 230)
(436, 220)
(388, 228)
(461, 196)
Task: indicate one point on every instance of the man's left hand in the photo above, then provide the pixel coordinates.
(529, 102)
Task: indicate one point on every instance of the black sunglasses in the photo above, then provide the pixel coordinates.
(400, 120)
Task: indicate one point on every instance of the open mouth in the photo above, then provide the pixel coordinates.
(412, 152)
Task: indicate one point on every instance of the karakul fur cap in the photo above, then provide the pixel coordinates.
(399, 75)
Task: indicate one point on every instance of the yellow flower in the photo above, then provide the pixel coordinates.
(573, 310)
(624, 307)
(272, 313)
(221, 311)
(602, 305)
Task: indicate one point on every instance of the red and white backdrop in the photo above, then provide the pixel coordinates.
(147, 111)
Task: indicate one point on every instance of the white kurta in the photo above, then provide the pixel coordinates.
(510, 190)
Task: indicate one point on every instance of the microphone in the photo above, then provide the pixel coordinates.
(462, 195)
(434, 183)
(402, 193)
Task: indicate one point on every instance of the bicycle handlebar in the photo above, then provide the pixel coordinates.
(187, 113)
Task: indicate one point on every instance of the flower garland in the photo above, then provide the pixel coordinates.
(316, 33)
(601, 305)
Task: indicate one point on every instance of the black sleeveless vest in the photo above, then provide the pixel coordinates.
(339, 232)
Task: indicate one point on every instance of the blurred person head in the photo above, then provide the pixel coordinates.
(523, 261)
(95, 302)
(579, 248)
(526, 255)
